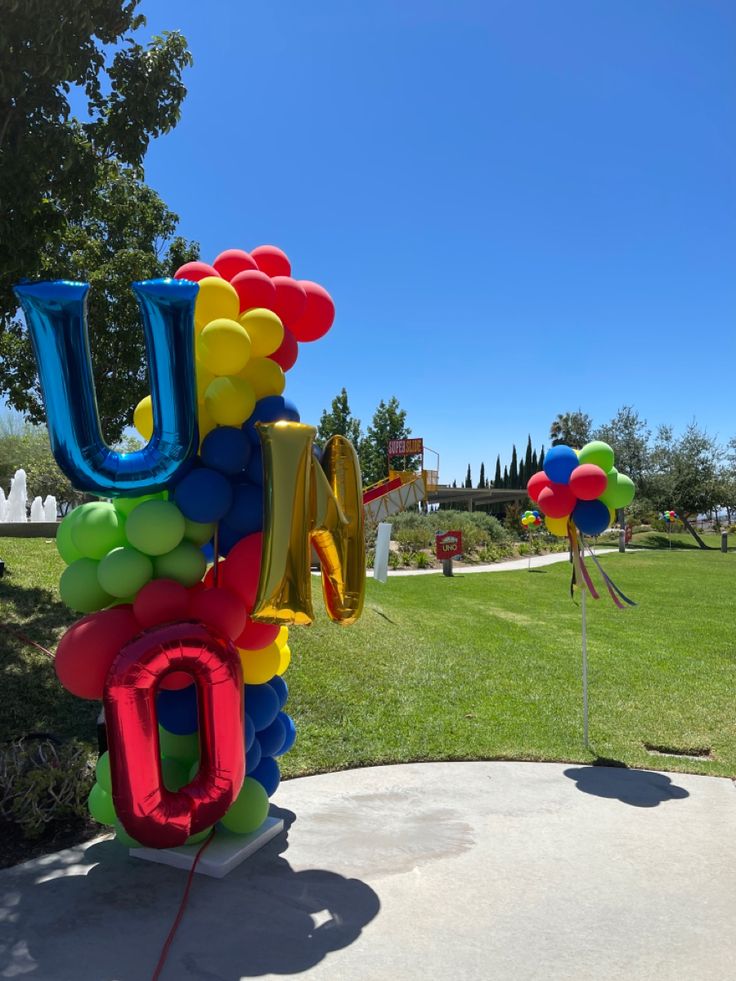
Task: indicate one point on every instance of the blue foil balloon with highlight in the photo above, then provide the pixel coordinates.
(56, 314)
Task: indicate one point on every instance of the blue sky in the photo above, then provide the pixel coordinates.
(518, 207)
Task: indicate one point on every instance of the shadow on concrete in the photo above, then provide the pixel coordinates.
(614, 781)
(98, 915)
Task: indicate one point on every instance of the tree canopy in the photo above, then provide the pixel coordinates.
(339, 421)
(73, 202)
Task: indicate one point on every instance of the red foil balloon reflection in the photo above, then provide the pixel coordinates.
(153, 815)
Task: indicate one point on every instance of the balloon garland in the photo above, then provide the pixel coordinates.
(169, 645)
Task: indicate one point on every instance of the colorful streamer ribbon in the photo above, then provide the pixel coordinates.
(581, 575)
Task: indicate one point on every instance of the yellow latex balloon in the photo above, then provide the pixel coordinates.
(284, 660)
(143, 418)
(229, 400)
(260, 666)
(266, 377)
(204, 377)
(557, 526)
(223, 347)
(216, 298)
(282, 638)
(205, 422)
(265, 330)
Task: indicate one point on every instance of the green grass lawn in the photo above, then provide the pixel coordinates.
(660, 539)
(480, 666)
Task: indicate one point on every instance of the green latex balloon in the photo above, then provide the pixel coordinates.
(122, 836)
(249, 809)
(610, 490)
(624, 491)
(185, 749)
(124, 571)
(64, 544)
(598, 453)
(127, 504)
(199, 837)
(100, 805)
(185, 564)
(175, 773)
(155, 527)
(97, 529)
(80, 588)
(102, 771)
(197, 532)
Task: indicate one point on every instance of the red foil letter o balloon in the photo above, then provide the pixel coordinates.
(153, 815)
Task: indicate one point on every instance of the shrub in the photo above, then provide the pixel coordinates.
(42, 782)
(423, 561)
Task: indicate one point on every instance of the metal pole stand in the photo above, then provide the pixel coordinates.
(585, 672)
(447, 567)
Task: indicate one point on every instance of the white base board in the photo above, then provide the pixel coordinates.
(221, 856)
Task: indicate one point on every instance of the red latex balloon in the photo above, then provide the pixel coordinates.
(557, 500)
(233, 261)
(318, 315)
(153, 815)
(161, 601)
(209, 576)
(254, 289)
(90, 646)
(194, 271)
(272, 260)
(242, 567)
(291, 300)
(588, 481)
(256, 636)
(537, 483)
(287, 354)
(222, 609)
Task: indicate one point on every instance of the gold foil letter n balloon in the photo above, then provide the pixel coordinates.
(310, 502)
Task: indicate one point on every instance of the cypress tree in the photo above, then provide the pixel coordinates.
(535, 463)
(468, 478)
(528, 458)
(514, 469)
(498, 479)
(541, 459)
(482, 478)
(505, 476)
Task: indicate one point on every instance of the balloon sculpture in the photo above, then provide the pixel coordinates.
(531, 519)
(578, 491)
(670, 517)
(189, 660)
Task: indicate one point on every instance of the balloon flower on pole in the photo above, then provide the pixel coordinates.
(670, 518)
(189, 661)
(531, 519)
(579, 492)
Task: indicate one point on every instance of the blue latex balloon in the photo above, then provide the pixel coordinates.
(227, 537)
(280, 687)
(273, 738)
(255, 467)
(560, 463)
(56, 314)
(261, 704)
(591, 517)
(253, 757)
(208, 551)
(226, 449)
(249, 731)
(177, 710)
(204, 495)
(273, 408)
(246, 512)
(267, 774)
(290, 733)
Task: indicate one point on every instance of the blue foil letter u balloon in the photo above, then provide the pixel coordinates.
(56, 314)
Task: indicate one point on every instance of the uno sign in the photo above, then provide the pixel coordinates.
(449, 544)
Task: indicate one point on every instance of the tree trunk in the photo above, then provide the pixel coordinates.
(693, 532)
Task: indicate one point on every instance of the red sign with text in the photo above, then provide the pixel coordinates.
(449, 544)
(405, 447)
